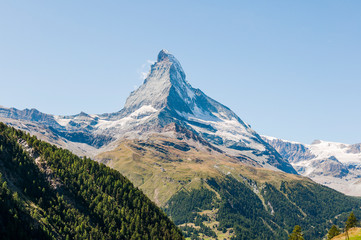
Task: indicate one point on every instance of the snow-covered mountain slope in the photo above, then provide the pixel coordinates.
(48, 134)
(336, 165)
(164, 98)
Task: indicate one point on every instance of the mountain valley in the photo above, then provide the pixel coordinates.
(208, 170)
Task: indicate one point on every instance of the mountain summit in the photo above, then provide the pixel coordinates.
(165, 98)
(174, 100)
(165, 81)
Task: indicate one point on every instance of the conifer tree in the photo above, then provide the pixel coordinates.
(351, 221)
(296, 234)
(334, 231)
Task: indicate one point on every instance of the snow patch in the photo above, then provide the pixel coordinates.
(137, 117)
(325, 149)
(62, 121)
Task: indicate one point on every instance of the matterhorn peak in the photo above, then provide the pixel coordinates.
(165, 98)
(163, 54)
(166, 78)
(167, 59)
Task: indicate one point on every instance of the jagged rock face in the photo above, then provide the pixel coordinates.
(78, 128)
(328, 167)
(165, 98)
(30, 115)
(355, 148)
(165, 86)
(176, 101)
(336, 165)
(293, 152)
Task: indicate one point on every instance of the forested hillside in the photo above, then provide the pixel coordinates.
(50, 193)
(209, 194)
(253, 211)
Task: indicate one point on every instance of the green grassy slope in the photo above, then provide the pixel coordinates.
(353, 233)
(210, 194)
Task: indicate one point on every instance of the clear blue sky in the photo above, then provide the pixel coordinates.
(291, 69)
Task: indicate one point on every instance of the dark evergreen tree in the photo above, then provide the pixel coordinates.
(296, 234)
(351, 221)
(334, 231)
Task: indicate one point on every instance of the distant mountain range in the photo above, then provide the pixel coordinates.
(195, 158)
(336, 165)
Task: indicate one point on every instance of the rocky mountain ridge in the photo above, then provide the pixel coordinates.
(336, 165)
(164, 98)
